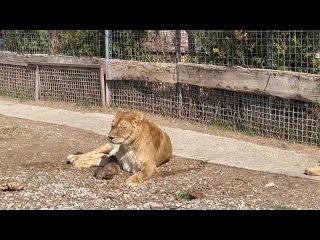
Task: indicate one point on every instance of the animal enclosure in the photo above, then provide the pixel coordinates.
(258, 82)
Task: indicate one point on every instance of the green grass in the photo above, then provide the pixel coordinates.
(84, 103)
(6, 132)
(283, 207)
(18, 94)
(224, 125)
(184, 195)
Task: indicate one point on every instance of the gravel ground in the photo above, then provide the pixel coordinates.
(35, 154)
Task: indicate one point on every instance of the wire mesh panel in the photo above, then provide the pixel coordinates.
(292, 50)
(17, 81)
(297, 50)
(144, 45)
(251, 113)
(77, 42)
(54, 42)
(77, 85)
(158, 98)
(227, 48)
(25, 41)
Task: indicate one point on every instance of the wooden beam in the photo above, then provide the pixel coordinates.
(14, 63)
(71, 65)
(284, 84)
(43, 59)
(143, 71)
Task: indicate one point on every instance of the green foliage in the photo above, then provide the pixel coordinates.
(291, 50)
(16, 94)
(229, 47)
(26, 41)
(84, 103)
(297, 51)
(7, 132)
(77, 42)
(65, 42)
(283, 208)
(126, 44)
(184, 195)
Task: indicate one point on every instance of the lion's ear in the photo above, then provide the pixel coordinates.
(138, 117)
(119, 114)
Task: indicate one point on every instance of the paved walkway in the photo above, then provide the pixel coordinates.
(186, 143)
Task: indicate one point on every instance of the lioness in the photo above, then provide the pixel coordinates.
(313, 171)
(138, 145)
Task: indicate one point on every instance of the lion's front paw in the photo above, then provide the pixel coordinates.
(72, 158)
(82, 164)
(134, 181)
(78, 162)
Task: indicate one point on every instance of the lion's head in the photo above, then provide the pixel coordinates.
(125, 127)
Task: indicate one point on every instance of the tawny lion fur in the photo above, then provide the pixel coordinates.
(313, 171)
(139, 146)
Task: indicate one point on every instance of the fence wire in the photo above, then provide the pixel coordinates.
(292, 50)
(17, 81)
(250, 113)
(62, 84)
(55, 42)
(78, 85)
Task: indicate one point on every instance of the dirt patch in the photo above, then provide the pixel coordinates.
(35, 155)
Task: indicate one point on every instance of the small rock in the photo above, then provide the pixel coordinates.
(270, 184)
(197, 194)
(13, 186)
(132, 207)
(151, 205)
(126, 195)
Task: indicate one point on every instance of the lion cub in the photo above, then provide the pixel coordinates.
(139, 146)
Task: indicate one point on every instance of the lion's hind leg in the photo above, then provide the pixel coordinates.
(313, 171)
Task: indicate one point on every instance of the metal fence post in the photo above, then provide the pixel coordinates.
(2, 40)
(108, 50)
(107, 44)
(178, 59)
(191, 44)
(49, 42)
